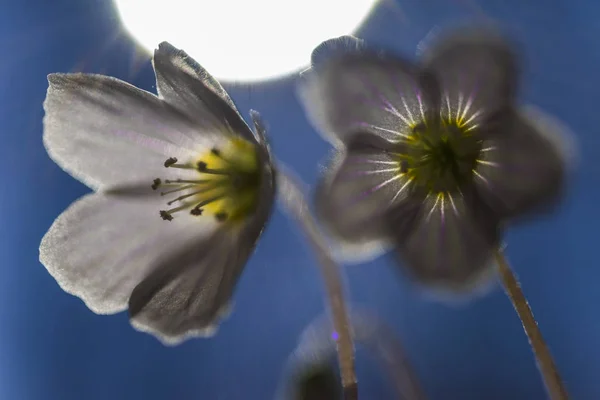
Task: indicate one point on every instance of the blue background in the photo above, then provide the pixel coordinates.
(53, 347)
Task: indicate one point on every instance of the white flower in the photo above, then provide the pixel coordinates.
(183, 189)
(435, 157)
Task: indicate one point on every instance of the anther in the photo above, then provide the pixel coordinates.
(177, 190)
(203, 167)
(166, 216)
(404, 166)
(170, 161)
(216, 152)
(221, 216)
(156, 183)
(196, 211)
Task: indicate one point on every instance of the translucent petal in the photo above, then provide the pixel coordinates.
(447, 241)
(189, 288)
(360, 186)
(106, 132)
(366, 92)
(184, 84)
(103, 245)
(525, 164)
(336, 47)
(477, 73)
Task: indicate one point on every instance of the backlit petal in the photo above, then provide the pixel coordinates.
(190, 287)
(447, 241)
(525, 164)
(103, 245)
(366, 92)
(184, 84)
(477, 74)
(106, 132)
(359, 187)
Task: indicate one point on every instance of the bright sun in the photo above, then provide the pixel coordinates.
(243, 40)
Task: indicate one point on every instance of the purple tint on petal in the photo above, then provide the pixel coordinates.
(154, 144)
(355, 174)
(361, 124)
(364, 99)
(375, 92)
(335, 336)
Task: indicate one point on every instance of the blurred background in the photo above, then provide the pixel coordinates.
(53, 347)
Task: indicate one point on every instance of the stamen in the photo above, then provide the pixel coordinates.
(403, 166)
(217, 153)
(176, 190)
(167, 214)
(202, 167)
(171, 163)
(197, 210)
(156, 183)
(185, 196)
(196, 182)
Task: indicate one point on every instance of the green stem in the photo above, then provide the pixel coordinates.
(291, 196)
(550, 375)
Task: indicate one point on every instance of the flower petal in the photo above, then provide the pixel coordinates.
(360, 186)
(346, 44)
(477, 73)
(447, 241)
(184, 84)
(104, 244)
(366, 92)
(526, 163)
(190, 288)
(106, 132)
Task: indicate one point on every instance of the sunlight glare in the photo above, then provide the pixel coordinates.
(243, 40)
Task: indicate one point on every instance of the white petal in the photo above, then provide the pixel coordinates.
(103, 245)
(447, 243)
(184, 84)
(525, 168)
(366, 92)
(358, 188)
(477, 72)
(189, 290)
(106, 132)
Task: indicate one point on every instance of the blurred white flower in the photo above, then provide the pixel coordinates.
(433, 158)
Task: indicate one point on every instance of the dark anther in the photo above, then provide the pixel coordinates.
(166, 216)
(170, 161)
(196, 211)
(201, 166)
(404, 166)
(221, 216)
(216, 151)
(156, 184)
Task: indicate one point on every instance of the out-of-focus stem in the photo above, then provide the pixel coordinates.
(292, 197)
(554, 384)
(380, 340)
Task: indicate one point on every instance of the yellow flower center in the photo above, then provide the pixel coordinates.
(227, 183)
(441, 156)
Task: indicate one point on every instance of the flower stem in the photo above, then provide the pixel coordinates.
(291, 195)
(550, 375)
(377, 337)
